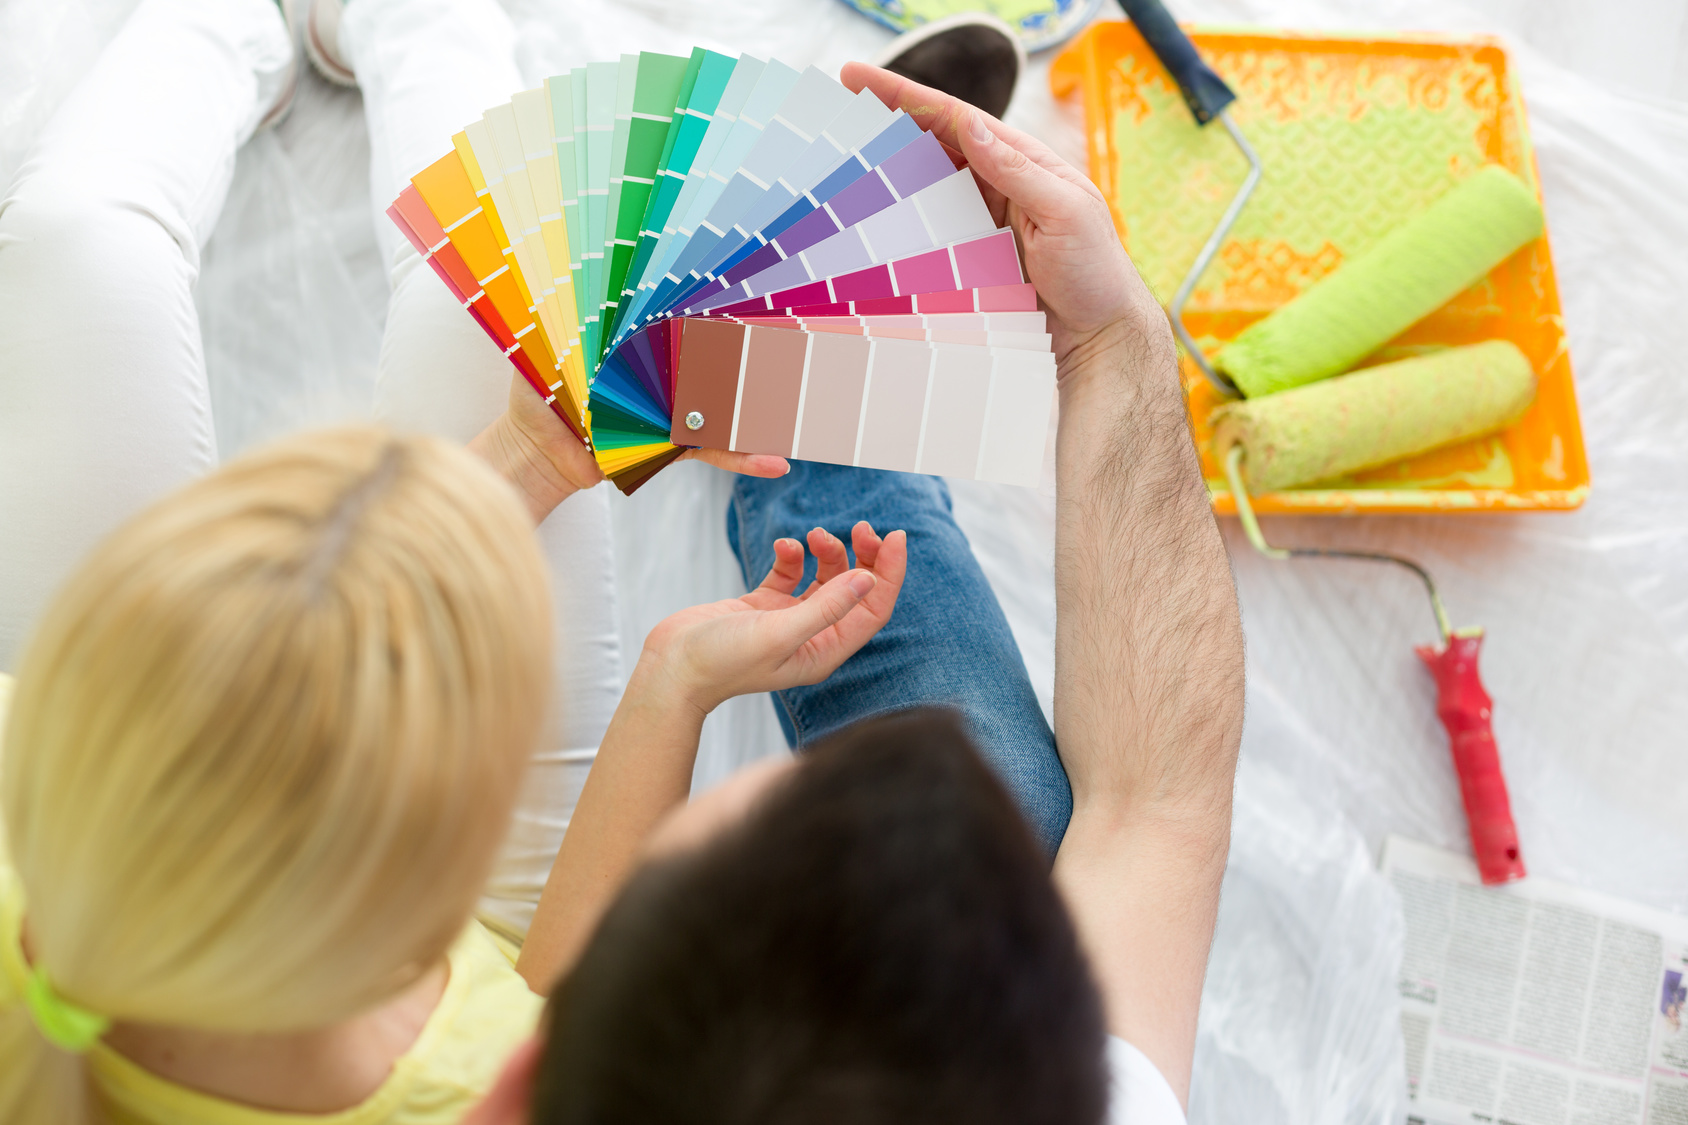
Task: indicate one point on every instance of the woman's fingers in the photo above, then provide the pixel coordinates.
(831, 560)
(792, 628)
(767, 640)
(866, 542)
(890, 563)
(542, 432)
(787, 570)
(745, 464)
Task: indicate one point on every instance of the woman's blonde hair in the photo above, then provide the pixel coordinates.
(265, 743)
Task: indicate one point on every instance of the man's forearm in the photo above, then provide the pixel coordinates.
(1148, 701)
(1148, 643)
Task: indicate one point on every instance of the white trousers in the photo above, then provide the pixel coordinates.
(104, 405)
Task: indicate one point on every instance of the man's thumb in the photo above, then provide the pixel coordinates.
(1017, 176)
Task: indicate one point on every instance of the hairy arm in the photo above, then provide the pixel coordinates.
(1148, 641)
(1148, 689)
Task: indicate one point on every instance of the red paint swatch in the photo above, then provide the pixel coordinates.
(711, 357)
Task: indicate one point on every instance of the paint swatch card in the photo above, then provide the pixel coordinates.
(728, 253)
(880, 402)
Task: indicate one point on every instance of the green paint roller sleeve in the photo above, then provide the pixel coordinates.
(1375, 416)
(1411, 272)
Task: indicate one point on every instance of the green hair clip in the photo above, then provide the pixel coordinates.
(65, 1025)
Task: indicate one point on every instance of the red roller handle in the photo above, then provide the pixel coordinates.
(1464, 708)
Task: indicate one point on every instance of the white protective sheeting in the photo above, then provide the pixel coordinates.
(1587, 613)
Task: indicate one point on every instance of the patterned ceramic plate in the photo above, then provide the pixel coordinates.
(1041, 23)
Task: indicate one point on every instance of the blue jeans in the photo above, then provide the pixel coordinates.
(947, 643)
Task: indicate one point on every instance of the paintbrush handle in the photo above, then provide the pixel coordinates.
(1464, 707)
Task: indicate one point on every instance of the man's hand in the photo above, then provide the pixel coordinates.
(1088, 286)
(536, 451)
(1148, 644)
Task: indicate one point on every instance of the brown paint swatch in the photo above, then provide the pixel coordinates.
(711, 353)
(773, 378)
(832, 402)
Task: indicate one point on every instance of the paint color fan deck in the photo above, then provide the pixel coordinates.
(727, 253)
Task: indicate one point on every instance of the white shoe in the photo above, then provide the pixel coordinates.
(322, 41)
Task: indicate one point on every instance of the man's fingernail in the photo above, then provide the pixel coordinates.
(861, 582)
(978, 130)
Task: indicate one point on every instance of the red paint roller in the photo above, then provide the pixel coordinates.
(1461, 701)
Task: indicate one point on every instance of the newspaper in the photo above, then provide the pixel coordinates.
(1536, 1003)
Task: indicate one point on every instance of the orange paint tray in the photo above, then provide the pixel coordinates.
(1357, 135)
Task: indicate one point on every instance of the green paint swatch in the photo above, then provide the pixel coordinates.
(599, 139)
(565, 112)
(701, 92)
(740, 83)
(650, 118)
(626, 82)
(667, 182)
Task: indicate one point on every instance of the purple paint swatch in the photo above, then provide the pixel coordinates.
(895, 232)
(843, 252)
(867, 196)
(917, 165)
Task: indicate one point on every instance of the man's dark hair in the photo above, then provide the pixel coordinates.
(878, 943)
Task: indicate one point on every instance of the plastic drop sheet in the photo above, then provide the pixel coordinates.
(1586, 613)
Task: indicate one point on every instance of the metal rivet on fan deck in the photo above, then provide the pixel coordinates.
(694, 421)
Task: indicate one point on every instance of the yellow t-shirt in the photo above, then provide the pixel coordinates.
(485, 1012)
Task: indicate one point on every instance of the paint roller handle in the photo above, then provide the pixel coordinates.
(1464, 708)
(1204, 91)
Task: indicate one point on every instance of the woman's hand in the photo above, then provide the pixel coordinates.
(773, 637)
(1072, 254)
(769, 639)
(539, 454)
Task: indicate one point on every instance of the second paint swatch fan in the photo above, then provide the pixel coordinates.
(731, 254)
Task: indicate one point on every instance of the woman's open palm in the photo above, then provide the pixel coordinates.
(774, 637)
